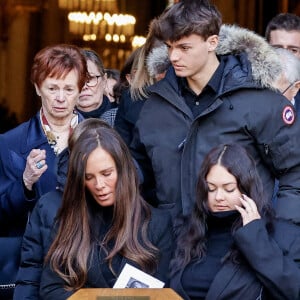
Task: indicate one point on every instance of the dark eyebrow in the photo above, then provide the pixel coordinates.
(288, 46)
(228, 183)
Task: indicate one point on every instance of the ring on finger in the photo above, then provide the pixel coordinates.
(39, 164)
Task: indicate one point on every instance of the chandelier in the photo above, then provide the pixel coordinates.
(98, 19)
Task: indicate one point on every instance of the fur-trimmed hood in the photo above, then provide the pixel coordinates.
(265, 63)
(157, 60)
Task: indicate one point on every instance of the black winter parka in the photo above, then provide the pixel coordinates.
(272, 270)
(175, 143)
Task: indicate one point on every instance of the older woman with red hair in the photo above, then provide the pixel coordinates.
(28, 153)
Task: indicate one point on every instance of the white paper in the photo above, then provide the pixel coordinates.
(131, 277)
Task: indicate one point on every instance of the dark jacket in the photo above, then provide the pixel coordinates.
(159, 233)
(297, 103)
(127, 115)
(273, 271)
(97, 113)
(175, 143)
(36, 239)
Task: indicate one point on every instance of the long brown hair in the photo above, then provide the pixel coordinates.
(70, 251)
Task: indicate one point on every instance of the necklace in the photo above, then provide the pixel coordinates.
(54, 140)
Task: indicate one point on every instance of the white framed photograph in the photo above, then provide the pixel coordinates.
(131, 277)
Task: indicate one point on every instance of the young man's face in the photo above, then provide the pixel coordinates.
(191, 55)
(286, 39)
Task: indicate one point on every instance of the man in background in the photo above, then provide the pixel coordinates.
(283, 31)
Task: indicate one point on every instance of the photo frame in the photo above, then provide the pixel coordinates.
(132, 277)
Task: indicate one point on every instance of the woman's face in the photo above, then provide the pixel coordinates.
(59, 96)
(223, 192)
(101, 177)
(91, 98)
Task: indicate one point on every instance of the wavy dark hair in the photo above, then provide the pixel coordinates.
(188, 17)
(191, 231)
(76, 220)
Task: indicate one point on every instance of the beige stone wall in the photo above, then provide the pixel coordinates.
(13, 63)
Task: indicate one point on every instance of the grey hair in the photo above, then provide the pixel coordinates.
(290, 65)
(265, 64)
(157, 60)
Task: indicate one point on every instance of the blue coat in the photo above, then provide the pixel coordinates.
(15, 205)
(36, 237)
(15, 146)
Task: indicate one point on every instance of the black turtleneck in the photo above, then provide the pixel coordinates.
(199, 274)
(97, 113)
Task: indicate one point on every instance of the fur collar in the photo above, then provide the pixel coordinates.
(265, 63)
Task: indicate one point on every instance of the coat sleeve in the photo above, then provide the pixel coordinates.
(52, 285)
(161, 232)
(36, 242)
(13, 201)
(28, 278)
(277, 138)
(123, 126)
(139, 153)
(275, 263)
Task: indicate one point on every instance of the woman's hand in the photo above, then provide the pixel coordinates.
(35, 167)
(248, 210)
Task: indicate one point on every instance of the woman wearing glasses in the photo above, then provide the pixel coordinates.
(29, 152)
(92, 102)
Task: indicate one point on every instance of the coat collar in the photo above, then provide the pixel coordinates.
(33, 135)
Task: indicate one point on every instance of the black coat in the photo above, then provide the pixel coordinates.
(273, 271)
(37, 239)
(170, 144)
(297, 103)
(97, 113)
(159, 233)
(127, 115)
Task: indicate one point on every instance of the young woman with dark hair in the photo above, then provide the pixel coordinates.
(231, 247)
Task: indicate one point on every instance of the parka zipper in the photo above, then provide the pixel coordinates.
(7, 286)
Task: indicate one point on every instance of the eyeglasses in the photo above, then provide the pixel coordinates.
(293, 49)
(93, 80)
(290, 85)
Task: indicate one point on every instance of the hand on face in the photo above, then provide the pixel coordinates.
(248, 210)
(35, 167)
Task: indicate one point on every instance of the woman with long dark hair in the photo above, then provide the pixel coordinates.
(103, 222)
(231, 247)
